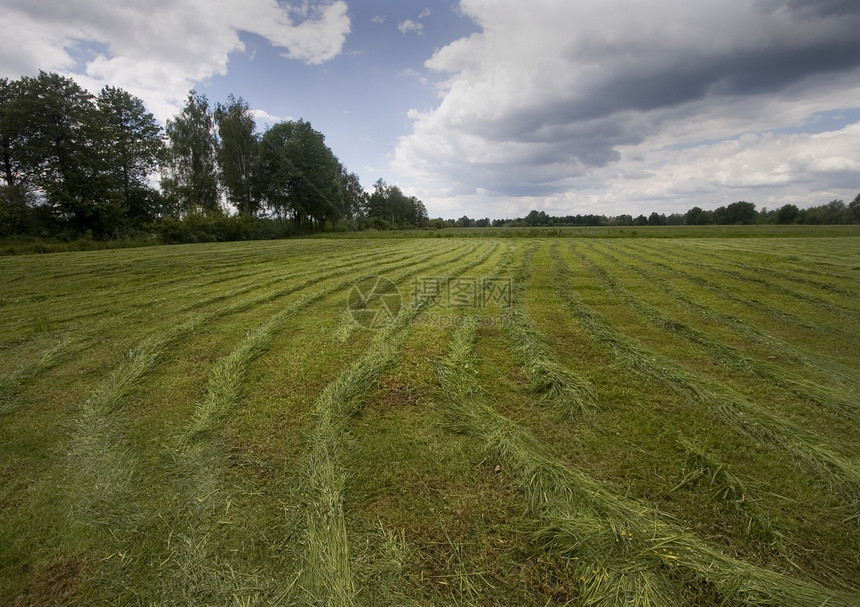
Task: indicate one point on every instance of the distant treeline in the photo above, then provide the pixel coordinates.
(835, 212)
(100, 166)
(75, 164)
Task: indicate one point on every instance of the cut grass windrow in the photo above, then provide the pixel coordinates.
(841, 373)
(568, 393)
(823, 305)
(767, 271)
(727, 489)
(146, 296)
(205, 574)
(840, 402)
(335, 265)
(347, 325)
(62, 351)
(626, 553)
(649, 258)
(227, 374)
(835, 469)
(101, 481)
(325, 569)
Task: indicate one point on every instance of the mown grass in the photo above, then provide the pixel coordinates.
(726, 355)
(624, 553)
(840, 472)
(202, 425)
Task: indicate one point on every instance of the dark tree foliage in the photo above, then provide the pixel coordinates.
(133, 148)
(71, 162)
(388, 206)
(237, 152)
(190, 179)
(300, 176)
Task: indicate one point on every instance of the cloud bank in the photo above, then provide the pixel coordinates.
(603, 105)
(159, 49)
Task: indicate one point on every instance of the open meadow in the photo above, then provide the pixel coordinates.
(441, 421)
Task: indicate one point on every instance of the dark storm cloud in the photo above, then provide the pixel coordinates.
(550, 94)
(824, 8)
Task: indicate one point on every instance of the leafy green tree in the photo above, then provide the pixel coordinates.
(17, 167)
(656, 219)
(854, 210)
(787, 214)
(16, 170)
(300, 177)
(191, 179)
(354, 196)
(389, 203)
(237, 151)
(66, 155)
(132, 145)
(740, 212)
(696, 217)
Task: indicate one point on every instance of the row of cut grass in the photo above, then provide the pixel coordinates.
(771, 288)
(625, 553)
(786, 318)
(325, 571)
(741, 274)
(838, 471)
(103, 484)
(777, 347)
(568, 393)
(791, 277)
(723, 354)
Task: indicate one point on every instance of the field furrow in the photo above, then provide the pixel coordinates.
(624, 552)
(777, 348)
(383, 422)
(843, 403)
(837, 470)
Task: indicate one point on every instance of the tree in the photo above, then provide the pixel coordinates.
(301, 178)
(656, 219)
(854, 210)
(696, 216)
(787, 214)
(133, 147)
(237, 152)
(65, 153)
(736, 213)
(354, 196)
(17, 167)
(191, 175)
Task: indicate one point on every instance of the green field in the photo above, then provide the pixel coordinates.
(545, 421)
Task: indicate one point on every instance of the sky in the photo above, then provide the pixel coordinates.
(492, 108)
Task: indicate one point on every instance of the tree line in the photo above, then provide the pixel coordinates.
(835, 212)
(74, 164)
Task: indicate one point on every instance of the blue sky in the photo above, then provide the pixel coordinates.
(495, 107)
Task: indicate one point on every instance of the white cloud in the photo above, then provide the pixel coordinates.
(377, 19)
(159, 49)
(586, 103)
(411, 26)
(263, 119)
